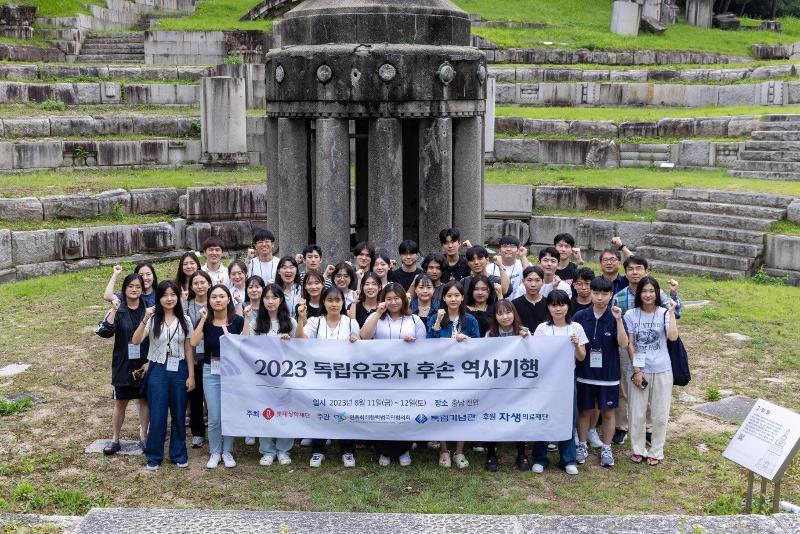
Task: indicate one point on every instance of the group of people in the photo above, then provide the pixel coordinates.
(167, 334)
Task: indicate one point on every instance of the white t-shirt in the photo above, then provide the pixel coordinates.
(514, 273)
(406, 325)
(172, 338)
(220, 276)
(544, 291)
(273, 327)
(551, 330)
(267, 270)
(650, 338)
(317, 328)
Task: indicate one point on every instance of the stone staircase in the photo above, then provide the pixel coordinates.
(720, 234)
(111, 48)
(773, 153)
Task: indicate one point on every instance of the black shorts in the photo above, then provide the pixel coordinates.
(127, 393)
(602, 397)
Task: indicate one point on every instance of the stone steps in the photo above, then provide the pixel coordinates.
(733, 197)
(118, 58)
(765, 175)
(767, 156)
(714, 273)
(693, 257)
(772, 145)
(778, 117)
(705, 245)
(710, 219)
(113, 47)
(769, 166)
(720, 208)
(775, 135)
(95, 49)
(789, 126)
(667, 229)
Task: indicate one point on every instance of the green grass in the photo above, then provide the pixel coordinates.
(109, 137)
(784, 227)
(637, 114)
(217, 15)
(585, 24)
(30, 109)
(61, 8)
(100, 220)
(640, 140)
(615, 215)
(10, 407)
(666, 66)
(76, 182)
(635, 178)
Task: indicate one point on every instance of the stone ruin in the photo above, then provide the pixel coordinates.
(390, 92)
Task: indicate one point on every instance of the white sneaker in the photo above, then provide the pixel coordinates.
(197, 442)
(249, 441)
(153, 467)
(537, 468)
(594, 439)
(267, 460)
(606, 456)
(571, 469)
(433, 444)
(213, 461)
(305, 442)
(183, 465)
(444, 459)
(581, 453)
(383, 461)
(316, 459)
(349, 460)
(227, 459)
(405, 459)
(461, 461)
(284, 458)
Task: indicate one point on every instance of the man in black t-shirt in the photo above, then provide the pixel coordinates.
(408, 270)
(456, 266)
(581, 291)
(531, 307)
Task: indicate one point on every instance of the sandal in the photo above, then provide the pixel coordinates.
(637, 458)
(652, 462)
(444, 459)
(113, 447)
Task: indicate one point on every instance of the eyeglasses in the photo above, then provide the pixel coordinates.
(341, 275)
(612, 259)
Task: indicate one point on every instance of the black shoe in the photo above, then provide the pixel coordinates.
(491, 464)
(619, 436)
(523, 464)
(648, 437)
(112, 448)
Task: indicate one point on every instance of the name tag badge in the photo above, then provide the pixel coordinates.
(201, 348)
(639, 360)
(214, 366)
(134, 351)
(172, 363)
(596, 359)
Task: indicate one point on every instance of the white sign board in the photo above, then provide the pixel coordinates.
(767, 440)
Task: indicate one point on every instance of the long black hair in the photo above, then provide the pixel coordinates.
(491, 298)
(369, 276)
(251, 279)
(230, 311)
(327, 291)
(558, 297)
(181, 279)
(346, 267)
(152, 270)
(292, 261)
(127, 281)
(263, 322)
(462, 310)
(158, 318)
(647, 281)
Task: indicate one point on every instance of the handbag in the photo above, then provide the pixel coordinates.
(142, 383)
(681, 376)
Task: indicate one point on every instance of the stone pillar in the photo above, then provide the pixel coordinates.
(468, 178)
(293, 212)
(223, 123)
(625, 18)
(488, 122)
(385, 192)
(273, 190)
(700, 13)
(652, 8)
(333, 188)
(435, 181)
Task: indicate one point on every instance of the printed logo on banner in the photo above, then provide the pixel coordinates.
(340, 417)
(268, 413)
(421, 419)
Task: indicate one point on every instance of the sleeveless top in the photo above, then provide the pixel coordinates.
(362, 313)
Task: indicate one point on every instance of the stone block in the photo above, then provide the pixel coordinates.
(564, 151)
(632, 233)
(104, 241)
(34, 246)
(6, 156)
(21, 209)
(625, 18)
(517, 150)
(508, 199)
(638, 129)
(695, 154)
(196, 233)
(593, 128)
(36, 270)
(179, 229)
(160, 200)
(156, 237)
(38, 155)
(793, 211)
(668, 95)
(69, 207)
(187, 95)
(676, 127)
(28, 127)
(554, 197)
(542, 126)
(136, 94)
(162, 94)
(594, 234)
(154, 152)
(64, 126)
(112, 153)
(6, 259)
(252, 202)
(88, 93)
(557, 94)
(69, 243)
(504, 93)
(737, 95)
(544, 228)
(80, 265)
(8, 275)
(783, 252)
(501, 124)
(492, 231)
(711, 127)
(235, 234)
(596, 198)
(742, 126)
(519, 229)
(645, 199)
(107, 199)
(630, 94)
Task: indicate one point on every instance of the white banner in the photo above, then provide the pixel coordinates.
(489, 389)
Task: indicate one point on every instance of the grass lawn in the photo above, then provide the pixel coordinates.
(61, 8)
(785, 227)
(634, 178)
(585, 23)
(666, 66)
(43, 468)
(29, 109)
(101, 220)
(638, 114)
(616, 215)
(640, 140)
(216, 15)
(88, 182)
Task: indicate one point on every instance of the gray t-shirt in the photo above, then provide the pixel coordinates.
(650, 337)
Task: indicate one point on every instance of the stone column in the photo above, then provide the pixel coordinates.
(468, 178)
(273, 191)
(700, 13)
(435, 181)
(333, 188)
(488, 122)
(293, 212)
(223, 123)
(625, 18)
(385, 192)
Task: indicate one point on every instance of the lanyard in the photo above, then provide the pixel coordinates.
(324, 319)
(400, 332)
(174, 332)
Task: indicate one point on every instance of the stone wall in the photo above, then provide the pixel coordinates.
(111, 72)
(603, 153)
(86, 125)
(782, 257)
(10, 52)
(17, 21)
(91, 93)
(567, 94)
(204, 47)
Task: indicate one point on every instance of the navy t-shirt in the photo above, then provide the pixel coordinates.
(602, 334)
(211, 335)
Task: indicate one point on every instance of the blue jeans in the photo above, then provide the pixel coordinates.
(217, 443)
(274, 445)
(166, 390)
(566, 448)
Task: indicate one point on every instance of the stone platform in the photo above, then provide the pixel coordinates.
(100, 520)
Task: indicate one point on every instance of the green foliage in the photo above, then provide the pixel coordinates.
(10, 407)
(80, 154)
(117, 211)
(636, 114)
(766, 280)
(195, 128)
(616, 215)
(712, 393)
(784, 227)
(217, 15)
(27, 498)
(234, 59)
(112, 219)
(53, 105)
(734, 505)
